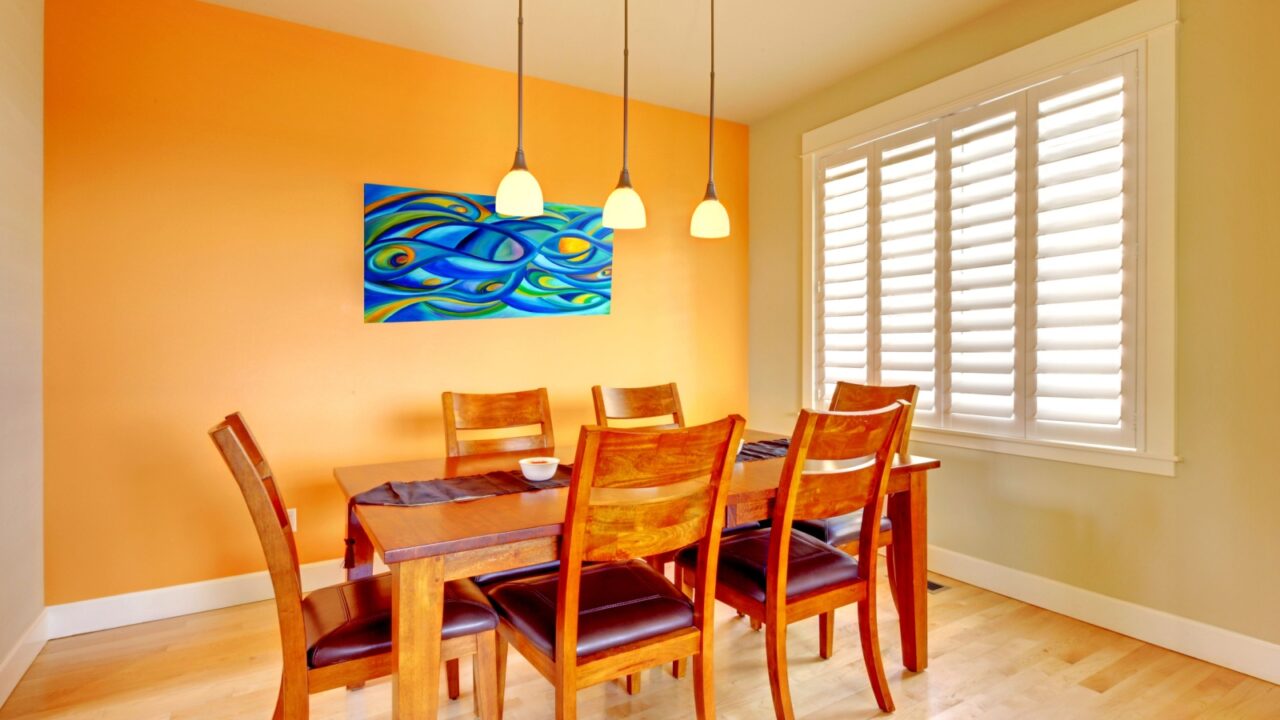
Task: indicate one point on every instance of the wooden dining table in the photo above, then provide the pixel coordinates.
(427, 545)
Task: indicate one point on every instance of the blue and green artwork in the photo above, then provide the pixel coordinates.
(431, 255)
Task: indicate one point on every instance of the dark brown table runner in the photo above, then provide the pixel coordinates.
(457, 489)
(503, 482)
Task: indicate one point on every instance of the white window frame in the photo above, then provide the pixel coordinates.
(1147, 28)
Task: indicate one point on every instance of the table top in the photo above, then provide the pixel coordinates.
(405, 533)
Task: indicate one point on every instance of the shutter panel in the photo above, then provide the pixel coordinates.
(984, 235)
(1081, 379)
(905, 260)
(990, 257)
(842, 352)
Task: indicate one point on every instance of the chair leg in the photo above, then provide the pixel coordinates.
(566, 702)
(891, 568)
(704, 686)
(485, 665)
(501, 663)
(452, 673)
(869, 631)
(632, 683)
(679, 668)
(775, 648)
(292, 703)
(756, 624)
(826, 634)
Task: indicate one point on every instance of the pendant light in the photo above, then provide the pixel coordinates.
(624, 210)
(710, 219)
(519, 193)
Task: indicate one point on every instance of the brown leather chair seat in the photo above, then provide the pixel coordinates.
(353, 620)
(839, 530)
(488, 580)
(813, 565)
(620, 603)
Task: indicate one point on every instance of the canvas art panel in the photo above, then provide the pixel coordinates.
(433, 255)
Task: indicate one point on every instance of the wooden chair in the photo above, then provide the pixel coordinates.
(475, 414)
(481, 414)
(636, 493)
(843, 531)
(341, 635)
(778, 575)
(659, 401)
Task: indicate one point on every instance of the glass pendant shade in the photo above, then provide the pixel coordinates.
(624, 210)
(519, 194)
(710, 219)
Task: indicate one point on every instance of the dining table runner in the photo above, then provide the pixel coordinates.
(505, 482)
(502, 482)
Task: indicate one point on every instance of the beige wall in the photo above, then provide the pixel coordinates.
(1205, 544)
(21, 211)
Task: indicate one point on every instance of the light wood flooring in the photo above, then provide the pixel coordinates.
(991, 657)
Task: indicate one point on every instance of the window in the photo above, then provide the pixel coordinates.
(991, 253)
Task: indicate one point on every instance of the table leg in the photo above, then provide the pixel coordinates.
(359, 548)
(907, 512)
(417, 612)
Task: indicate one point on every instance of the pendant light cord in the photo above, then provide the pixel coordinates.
(626, 79)
(711, 145)
(519, 163)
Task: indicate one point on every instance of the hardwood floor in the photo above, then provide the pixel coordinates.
(991, 657)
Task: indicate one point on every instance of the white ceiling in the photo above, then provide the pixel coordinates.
(769, 52)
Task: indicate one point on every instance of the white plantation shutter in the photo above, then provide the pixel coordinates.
(842, 286)
(905, 266)
(984, 234)
(1081, 384)
(989, 256)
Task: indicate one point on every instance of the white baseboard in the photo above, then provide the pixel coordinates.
(21, 655)
(1239, 652)
(167, 602)
(1210, 643)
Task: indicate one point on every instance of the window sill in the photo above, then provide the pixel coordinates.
(1080, 455)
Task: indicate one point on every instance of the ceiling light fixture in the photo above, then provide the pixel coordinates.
(519, 193)
(710, 219)
(624, 210)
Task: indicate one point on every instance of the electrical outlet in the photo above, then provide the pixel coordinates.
(293, 519)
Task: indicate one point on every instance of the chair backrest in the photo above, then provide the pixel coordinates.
(852, 397)
(658, 401)
(480, 414)
(257, 483)
(838, 462)
(640, 492)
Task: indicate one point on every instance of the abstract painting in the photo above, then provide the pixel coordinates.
(431, 255)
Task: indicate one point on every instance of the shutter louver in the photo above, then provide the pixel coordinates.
(985, 393)
(1082, 270)
(842, 354)
(907, 266)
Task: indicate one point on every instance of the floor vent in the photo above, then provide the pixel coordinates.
(936, 587)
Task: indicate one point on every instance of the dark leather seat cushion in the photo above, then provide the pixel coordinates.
(619, 603)
(840, 530)
(353, 620)
(744, 564)
(490, 579)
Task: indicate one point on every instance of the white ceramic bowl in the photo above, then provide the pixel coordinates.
(539, 469)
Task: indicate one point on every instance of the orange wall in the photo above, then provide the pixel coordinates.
(203, 254)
